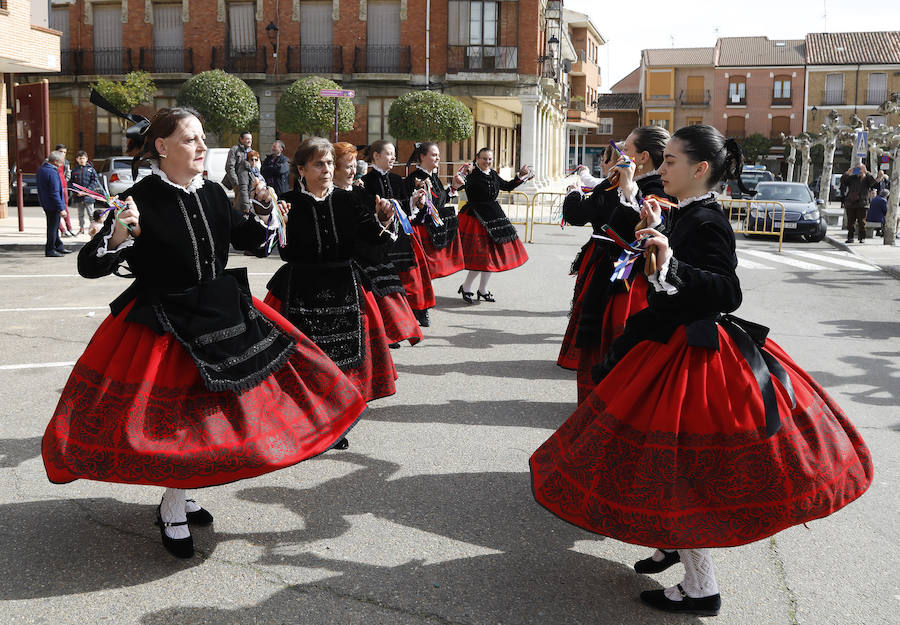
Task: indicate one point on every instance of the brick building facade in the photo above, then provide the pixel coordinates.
(498, 56)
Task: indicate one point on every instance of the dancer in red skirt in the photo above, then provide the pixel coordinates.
(702, 432)
(490, 242)
(443, 250)
(407, 252)
(568, 352)
(165, 393)
(378, 272)
(607, 300)
(319, 288)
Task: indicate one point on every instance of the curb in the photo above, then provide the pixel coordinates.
(36, 247)
(893, 270)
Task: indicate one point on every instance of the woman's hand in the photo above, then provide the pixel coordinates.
(384, 209)
(654, 240)
(127, 223)
(525, 171)
(284, 208)
(651, 213)
(418, 198)
(625, 167)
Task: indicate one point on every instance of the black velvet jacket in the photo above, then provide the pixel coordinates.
(391, 186)
(319, 287)
(482, 190)
(441, 236)
(181, 285)
(603, 207)
(703, 269)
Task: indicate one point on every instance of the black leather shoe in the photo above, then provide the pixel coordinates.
(422, 318)
(66, 250)
(394, 345)
(849, 241)
(178, 547)
(467, 295)
(488, 297)
(704, 606)
(199, 517)
(649, 565)
(53, 254)
(342, 444)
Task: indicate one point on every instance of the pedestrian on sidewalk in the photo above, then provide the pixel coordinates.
(490, 242)
(877, 212)
(190, 382)
(52, 199)
(855, 185)
(65, 171)
(236, 154)
(701, 432)
(84, 174)
(276, 169)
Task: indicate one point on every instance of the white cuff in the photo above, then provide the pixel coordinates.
(658, 280)
(413, 209)
(588, 180)
(630, 201)
(104, 250)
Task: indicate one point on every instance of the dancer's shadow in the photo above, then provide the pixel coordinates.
(463, 547)
(879, 378)
(65, 547)
(15, 451)
(511, 413)
(491, 309)
(524, 369)
(466, 337)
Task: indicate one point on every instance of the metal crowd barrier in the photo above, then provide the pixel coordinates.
(757, 217)
(517, 206)
(546, 210)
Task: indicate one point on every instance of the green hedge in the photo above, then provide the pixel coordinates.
(430, 116)
(226, 103)
(302, 110)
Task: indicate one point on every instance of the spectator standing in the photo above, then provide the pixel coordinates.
(52, 198)
(65, 171)
(855, 185)
(84, 174)
(236, 154)
(276, 169)
(248, 177)
(877, 212)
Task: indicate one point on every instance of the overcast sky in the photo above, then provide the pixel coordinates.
(629, 27)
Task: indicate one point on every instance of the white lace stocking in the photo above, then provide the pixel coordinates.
(485, 276)
(172, 510)
(699, 575)
(469, 281)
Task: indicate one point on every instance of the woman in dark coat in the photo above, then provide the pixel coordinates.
(190, 382)
(319, 289)
(443, 250)
(490, 242)
(701, 432)
(407, 253)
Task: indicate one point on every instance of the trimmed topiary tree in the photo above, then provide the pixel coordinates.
(755, 146)
(226, 103)
(136, 89)
(430, 116)
(301, 110)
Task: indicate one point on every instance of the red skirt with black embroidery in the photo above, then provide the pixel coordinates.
(569, 353)
(480, 251)
(619, 307)
(441, 262)
(670, 450)
(417, 281)
(135, 411)
(375, 377)
(399, 322)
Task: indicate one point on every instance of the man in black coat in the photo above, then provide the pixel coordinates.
(855, 185)
(276, 169)
(50, 194)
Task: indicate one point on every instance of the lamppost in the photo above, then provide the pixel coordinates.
(272, 34)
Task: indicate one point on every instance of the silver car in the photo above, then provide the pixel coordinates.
(115, 173)
(802, 211)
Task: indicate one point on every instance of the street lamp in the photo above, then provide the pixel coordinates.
(272, 34)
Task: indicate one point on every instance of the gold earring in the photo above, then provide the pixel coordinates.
(162, 156)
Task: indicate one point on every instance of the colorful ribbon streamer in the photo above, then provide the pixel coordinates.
(112, 203)
(402, 217)
(663, 202)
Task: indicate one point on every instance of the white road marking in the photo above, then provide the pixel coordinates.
(749, 264)
(36, 365)
(843, 261)
(3, 310)
(39, 275)
(775, 258)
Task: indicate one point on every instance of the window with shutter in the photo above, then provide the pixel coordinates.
(241, 28)
(876, 94)
(108, 39)
(316, 37)
(834, 89)
(168, 38)
(383, 54)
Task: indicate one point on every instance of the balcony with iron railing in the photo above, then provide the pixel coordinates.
(166, 60)
(788, 101)
(833, 97)
(382, 60)
(735, 98)
(240, 61)
(695, 97)
(494, 59)
(311, 59)
(89, 61)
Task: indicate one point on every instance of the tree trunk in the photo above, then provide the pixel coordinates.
(890, 220)
(804, 166)
(827, 166)
(791, 159)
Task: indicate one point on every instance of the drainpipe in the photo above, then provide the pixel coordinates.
(428, 45)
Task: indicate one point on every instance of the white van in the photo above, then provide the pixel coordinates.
(214, 167)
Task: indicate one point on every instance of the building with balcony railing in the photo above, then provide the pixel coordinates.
(585, 82)
(674, 84)
(851, 73)
(27, 46)
(758, 89)
(504, 58)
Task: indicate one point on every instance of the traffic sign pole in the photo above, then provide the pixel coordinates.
(336, 94)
